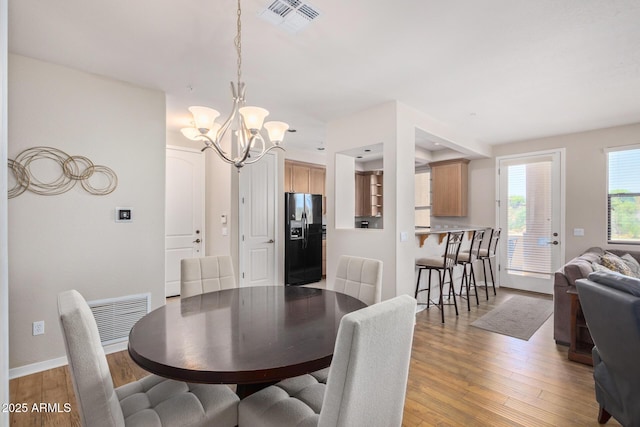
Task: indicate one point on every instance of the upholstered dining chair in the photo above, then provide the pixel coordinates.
(366, 382)
(360, 278)
(206, 274)
(441, 265)
(151, 401)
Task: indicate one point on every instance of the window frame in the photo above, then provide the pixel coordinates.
(610, 195)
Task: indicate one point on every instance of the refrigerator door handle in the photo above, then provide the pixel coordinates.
(304, 229)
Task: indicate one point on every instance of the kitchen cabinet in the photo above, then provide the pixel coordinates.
(375, 193)
(368, 194)
(363, 204)
(449, 187)
(302, 177)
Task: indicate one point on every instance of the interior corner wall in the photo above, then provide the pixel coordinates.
(71, 241)
(586, 181)
(374, 125)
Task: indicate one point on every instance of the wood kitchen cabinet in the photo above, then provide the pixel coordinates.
(363, 205)
(449, 187)
(302, 177)
(368, 193)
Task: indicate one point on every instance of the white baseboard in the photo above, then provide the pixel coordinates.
(34, 368)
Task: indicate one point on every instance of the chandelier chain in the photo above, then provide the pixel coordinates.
(238, 43)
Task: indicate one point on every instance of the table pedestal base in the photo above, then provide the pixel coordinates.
(244, 390)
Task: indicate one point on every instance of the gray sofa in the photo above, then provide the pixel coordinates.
(577, 268)
(611, 306)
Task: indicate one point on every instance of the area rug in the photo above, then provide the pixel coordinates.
(520, 317)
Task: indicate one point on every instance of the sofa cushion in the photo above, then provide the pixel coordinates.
(615, 263)
(577, 269)
(600, 267)
(618, 281)
(633, 264)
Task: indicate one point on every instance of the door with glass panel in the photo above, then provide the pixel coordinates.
(530, 206)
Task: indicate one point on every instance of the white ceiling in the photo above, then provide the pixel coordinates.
(495, 70)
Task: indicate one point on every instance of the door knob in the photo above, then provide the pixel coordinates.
(554, 242)
(270, 241)
(196, 241)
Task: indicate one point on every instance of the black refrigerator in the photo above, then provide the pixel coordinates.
(303, 237)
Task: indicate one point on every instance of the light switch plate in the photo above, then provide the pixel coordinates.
(578, 231)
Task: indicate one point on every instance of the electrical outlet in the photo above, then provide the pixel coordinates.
(38, 328)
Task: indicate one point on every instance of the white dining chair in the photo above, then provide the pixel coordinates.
(151, 401)
(360, 278)
(206, 274)
(366, 382)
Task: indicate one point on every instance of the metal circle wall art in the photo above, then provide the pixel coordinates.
(69, 170)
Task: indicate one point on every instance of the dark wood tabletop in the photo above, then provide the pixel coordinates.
(243, 335)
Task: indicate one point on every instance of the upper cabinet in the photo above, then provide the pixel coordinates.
(368, 194)
(449, 186)
(305, 178)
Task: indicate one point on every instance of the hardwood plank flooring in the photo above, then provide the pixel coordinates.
(459, 376)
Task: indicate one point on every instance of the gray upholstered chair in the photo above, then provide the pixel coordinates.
(611, 306)
(151, 401)
(206, 274)
(366, 382)
(360, 278)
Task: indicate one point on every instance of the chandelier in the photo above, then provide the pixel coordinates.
(245, 122)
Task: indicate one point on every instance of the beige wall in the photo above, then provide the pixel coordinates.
(4, 277)
(586, 193)
(70, 241)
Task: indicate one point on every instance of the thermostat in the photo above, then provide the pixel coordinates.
(124, 214)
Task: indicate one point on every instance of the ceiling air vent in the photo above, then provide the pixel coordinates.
(290, 15)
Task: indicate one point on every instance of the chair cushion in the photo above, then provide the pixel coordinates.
(618, 281)
(292, 402)
(157, 401)
(430, 262)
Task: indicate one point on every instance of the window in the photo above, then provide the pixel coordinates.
(423, 198)
(623, 195)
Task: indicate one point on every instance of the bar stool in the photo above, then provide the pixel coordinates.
(442, 265)
(485, 255)
(467, 258)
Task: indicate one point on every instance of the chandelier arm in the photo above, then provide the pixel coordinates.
(225, 126)
(215, 146)
(245, 152)
(261, 155)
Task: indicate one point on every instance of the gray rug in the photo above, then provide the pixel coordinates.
(519, 316)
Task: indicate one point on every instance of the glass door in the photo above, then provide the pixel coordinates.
(530, 188)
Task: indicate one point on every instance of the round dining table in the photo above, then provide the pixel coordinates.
(249, 336)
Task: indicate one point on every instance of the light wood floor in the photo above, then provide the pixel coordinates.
(459, 376)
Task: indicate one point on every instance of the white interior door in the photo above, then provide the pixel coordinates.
(530, 215)
(184, 212)
(257, 220)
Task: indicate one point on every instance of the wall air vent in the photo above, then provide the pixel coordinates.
(116, 316)
(290, 15)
